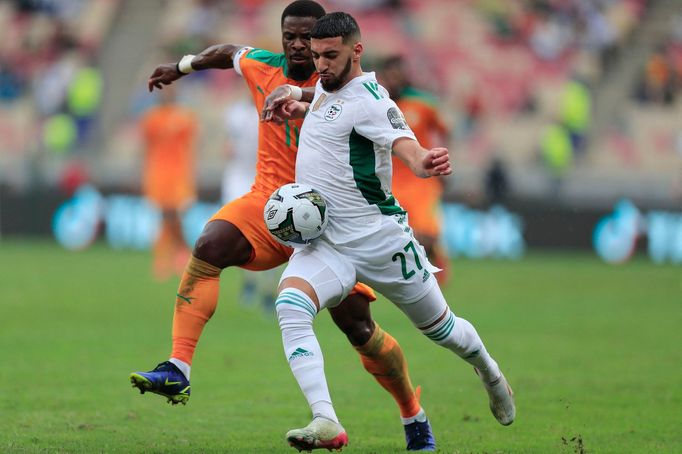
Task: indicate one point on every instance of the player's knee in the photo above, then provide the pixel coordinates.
(354, 319)
(360, 332)
(221, 244)
(294, 310)
(210, 249)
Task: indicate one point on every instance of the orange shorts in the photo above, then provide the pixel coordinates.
(246, 213)
(170, 198)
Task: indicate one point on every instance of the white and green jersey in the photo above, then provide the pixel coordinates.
(345, 153)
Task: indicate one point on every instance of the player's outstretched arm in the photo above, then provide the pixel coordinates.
(424, 163)
(281, 95)
(219, 56)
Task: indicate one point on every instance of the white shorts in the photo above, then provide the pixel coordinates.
(390, 260)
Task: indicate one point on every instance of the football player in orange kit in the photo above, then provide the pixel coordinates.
(236, 235)
(418, 196)
(169, 133)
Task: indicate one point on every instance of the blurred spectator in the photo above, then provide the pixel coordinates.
(10, 84)
(659, 78)
(83, 98)
(241, 126)
(504, 17)
(472, 112)
(60, 133)
(550, 37)
(557, 153)
(598, 35)
(496, 182)
(169, 132)
(576, 112)
(52, 85)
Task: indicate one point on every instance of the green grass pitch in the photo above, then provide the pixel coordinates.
(593, 352)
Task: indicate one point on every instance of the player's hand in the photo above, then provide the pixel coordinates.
(436, 162)
(164, 74)
(287, 110)
(274, 101)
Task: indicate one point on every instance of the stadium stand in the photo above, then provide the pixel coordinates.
(50, 86)
(505, 72)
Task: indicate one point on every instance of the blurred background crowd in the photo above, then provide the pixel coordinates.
(562, 103)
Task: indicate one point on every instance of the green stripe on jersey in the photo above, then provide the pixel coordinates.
(373, 88)
(270, 59)
(363, 162)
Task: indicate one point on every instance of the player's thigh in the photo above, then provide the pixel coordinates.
(246, 214)
(330, 274)
(394, 263)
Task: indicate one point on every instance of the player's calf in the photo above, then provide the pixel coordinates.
(437, 322)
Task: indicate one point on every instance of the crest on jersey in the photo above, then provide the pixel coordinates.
(333, 112)
(395, 116)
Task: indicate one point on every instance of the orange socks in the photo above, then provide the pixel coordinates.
(195, 303)
(383, 358)
(168, 249)
(162, 252)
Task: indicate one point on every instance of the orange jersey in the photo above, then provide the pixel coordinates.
(419, 196)
(277, 144)
(169, 132)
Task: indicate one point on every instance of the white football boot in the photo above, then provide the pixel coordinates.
(501, 399)
(321, 433)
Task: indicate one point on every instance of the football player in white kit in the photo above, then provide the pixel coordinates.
(350, 129)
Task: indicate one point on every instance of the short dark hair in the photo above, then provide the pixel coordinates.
(336, 24)
(392, 61)
(303, 8)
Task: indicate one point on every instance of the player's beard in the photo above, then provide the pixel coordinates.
(335, 82)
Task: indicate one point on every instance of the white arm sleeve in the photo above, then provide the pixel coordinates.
(382, 122)
(237, 57)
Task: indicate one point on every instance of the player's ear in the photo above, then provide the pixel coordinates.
(357, 51)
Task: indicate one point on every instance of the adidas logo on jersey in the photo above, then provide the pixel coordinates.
(299, 353)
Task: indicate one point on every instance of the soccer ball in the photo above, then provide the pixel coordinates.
(295, 214)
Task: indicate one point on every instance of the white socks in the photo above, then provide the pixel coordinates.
(419, 417)
(460, 336)
(295, 313)
(183, 366)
